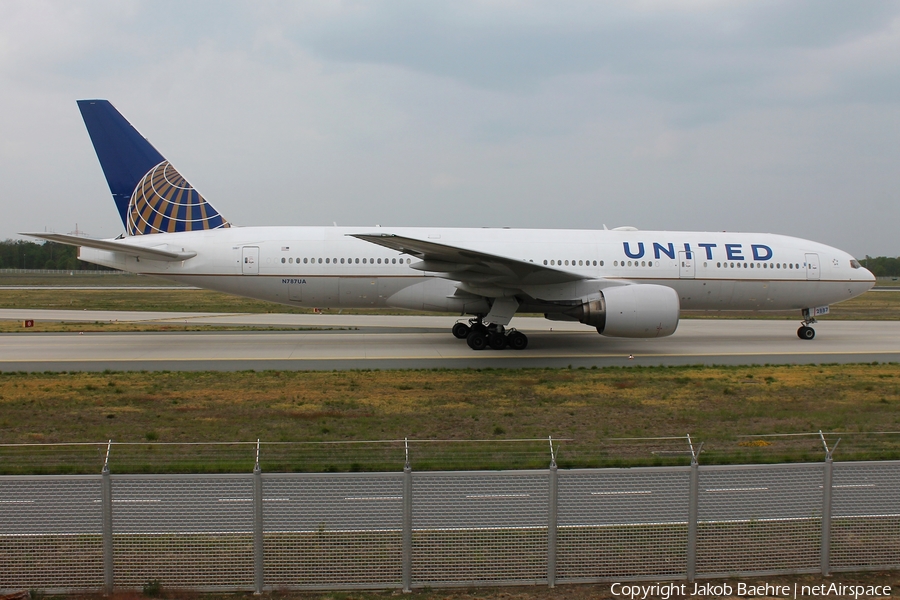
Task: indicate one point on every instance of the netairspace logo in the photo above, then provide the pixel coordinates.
(667, 591)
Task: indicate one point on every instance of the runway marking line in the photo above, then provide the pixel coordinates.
(853, 485)
(147, 501)
(621, 493)
(458, 357)
(375, 498)
(251, 500)
(495, 496)
(740, 489)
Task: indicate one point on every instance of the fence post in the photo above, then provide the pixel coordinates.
(106, 509)
(826, 505)
(693, 511)
(258, 547)
(552, 526)
(407, 523)
(552, 517)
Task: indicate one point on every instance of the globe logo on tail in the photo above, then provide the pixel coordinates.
(164, 202)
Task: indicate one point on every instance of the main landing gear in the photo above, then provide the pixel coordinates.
(480, 336)
(806, 332)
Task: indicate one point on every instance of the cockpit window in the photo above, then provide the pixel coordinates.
(855, 264)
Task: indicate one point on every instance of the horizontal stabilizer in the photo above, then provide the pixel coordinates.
(115, 246)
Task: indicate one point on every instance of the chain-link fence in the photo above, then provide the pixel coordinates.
(402, 530)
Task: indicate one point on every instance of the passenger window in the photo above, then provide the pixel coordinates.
(595, 263)
(393, 261)
(283, 260)
(545, 261)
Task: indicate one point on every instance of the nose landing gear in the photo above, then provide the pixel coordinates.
(806, 332)
(479, 336)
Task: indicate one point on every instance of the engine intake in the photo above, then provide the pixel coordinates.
(633, 311)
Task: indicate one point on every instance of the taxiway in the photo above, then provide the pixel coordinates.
(326, 342)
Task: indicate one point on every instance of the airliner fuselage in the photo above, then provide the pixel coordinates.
(324, 267)
(623, 282)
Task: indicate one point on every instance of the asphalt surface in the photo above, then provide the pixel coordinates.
(445, 501)
(327, 342)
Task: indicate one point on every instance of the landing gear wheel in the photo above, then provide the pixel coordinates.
(461, 331)
(476, 340)
(497, 340)
(517, 340)
(806, 333)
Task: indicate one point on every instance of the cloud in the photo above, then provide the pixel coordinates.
(700, 114)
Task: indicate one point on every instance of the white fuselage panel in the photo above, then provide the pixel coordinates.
(324, 267)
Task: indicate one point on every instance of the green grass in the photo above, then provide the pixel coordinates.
(82, 278)
(315, 421)
(869, 306)
(145, 326)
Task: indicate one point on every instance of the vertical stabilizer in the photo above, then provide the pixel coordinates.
(151, 196)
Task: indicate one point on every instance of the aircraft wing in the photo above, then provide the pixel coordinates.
(158, 253)
(471, 266)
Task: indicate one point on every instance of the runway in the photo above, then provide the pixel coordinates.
(387, 342)
(192, 504)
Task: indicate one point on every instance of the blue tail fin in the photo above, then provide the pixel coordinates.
(152, 197)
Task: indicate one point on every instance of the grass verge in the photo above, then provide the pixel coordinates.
(870, 306)
(314, 421)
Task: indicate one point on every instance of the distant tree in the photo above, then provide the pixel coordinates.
(882, 266)
(22, 254)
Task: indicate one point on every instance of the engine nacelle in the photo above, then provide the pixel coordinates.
(635, 311)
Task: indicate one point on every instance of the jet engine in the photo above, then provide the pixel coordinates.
(634, 311)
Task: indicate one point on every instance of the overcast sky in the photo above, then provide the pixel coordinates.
(701, 115)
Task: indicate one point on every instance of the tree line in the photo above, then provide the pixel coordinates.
(23, 254)
(882, 266)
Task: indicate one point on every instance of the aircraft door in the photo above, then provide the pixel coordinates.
(686, 265)
(250, 260)
(812, 266)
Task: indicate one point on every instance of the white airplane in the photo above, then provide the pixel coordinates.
(623, 282)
